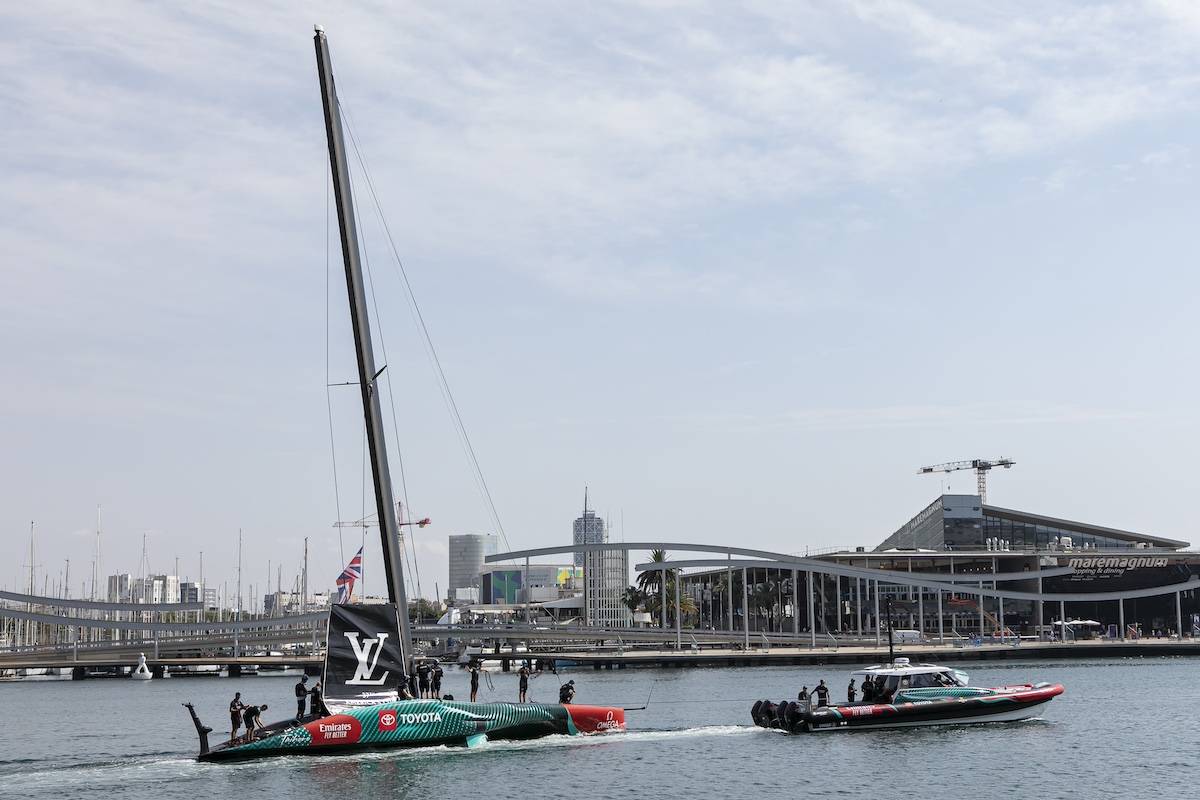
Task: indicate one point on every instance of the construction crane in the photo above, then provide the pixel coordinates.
(367, 523)
(980, 466)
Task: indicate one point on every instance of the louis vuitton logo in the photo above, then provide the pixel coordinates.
(366, 664)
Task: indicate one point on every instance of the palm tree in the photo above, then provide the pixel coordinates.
(651, 582)
(633, 598)
(685, 607)
(764, 595)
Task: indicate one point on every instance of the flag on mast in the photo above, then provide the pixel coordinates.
(350, 574)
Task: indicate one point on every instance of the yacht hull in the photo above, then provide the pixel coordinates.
(414, 723)
(1005, 704)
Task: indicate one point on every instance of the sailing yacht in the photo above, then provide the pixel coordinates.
(369, 651)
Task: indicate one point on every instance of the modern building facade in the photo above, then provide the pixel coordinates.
(605, 573)
(504, 584)
(962, 569)
(467, 552)
(963, 523)
(959, 535)
(588, 529)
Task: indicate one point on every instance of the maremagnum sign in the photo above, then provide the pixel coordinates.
(1091, 568)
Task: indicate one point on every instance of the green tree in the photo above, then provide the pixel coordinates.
(633, 598)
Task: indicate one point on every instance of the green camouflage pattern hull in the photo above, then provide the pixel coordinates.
(416, 723)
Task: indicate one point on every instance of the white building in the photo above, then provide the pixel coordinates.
(605, 574)
(119, 588)
(467, 552)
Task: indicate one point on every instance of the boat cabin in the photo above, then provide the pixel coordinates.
(901, 674)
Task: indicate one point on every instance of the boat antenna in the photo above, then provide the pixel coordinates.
(368, 375)
(891, 650)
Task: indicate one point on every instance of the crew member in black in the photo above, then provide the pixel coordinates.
(566, 692)
(868, 689)
(822, 693)
(803, 696)
(523, 674)
(435, 681)
(851, 692)
(474, 670)
(881, 695)
(235, 714)
(316, 703)
(301, 696)
(423, 671)
(250, 715)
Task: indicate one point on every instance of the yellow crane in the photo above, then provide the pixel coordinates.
(980, 466)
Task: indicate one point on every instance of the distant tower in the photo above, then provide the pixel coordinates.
(467, 552)
(605, 573)
(588, 529)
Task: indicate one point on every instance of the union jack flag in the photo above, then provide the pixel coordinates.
(350, 574)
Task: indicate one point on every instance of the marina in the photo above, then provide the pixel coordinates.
(565, 673)
(695, 730)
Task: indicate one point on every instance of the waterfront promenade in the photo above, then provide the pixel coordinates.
(617, 653)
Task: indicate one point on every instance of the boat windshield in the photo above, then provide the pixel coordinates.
(921, 680)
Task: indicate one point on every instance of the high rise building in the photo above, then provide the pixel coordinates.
(119, 588)
(605, 573)
(588, 529)
(467, 552)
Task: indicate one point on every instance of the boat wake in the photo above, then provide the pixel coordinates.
(33, 777)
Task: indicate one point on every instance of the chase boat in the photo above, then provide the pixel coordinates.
(912, 695)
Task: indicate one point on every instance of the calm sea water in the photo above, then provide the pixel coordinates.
(1125, 726)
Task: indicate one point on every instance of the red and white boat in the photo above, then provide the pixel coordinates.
(910, 695)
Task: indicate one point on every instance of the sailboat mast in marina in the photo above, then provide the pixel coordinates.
(368, 376)
(369, 648)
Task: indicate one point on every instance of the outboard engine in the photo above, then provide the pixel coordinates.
(766, 714)
(794, 718)
(780, 720)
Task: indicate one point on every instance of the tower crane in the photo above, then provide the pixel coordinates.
(980, 466)
(368, 523)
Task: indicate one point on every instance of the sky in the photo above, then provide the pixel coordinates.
(738, 270)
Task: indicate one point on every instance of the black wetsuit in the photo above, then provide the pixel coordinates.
(301, 695)
(566, 693)
(423, 678)
(435, 679)
(316, 703)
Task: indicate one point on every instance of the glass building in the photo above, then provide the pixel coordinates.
(958, 522)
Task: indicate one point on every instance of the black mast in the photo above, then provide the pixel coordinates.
(389, 530)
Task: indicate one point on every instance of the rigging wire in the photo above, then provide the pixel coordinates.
(337, 498)
(426, 340)
(409, 553)
(410, 557)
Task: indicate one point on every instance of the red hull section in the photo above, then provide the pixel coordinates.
(596, 719)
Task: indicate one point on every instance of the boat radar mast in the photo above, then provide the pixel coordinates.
(367, 374)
